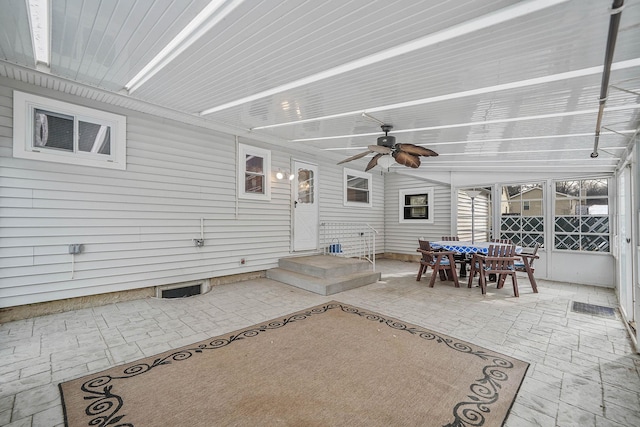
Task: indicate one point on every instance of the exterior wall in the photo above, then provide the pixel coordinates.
(138, 225)
(580, 267)
(402, 238)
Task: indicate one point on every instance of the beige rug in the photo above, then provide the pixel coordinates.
(330, 365)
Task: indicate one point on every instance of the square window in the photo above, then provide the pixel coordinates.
(357, 188)
(416, 206)
(254, 171)
(582, 220)
(51, 130)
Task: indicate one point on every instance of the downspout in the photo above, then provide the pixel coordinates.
(614, 24)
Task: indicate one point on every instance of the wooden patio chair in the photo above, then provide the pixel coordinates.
(500, 260)
(441, 263)
(459, 258)
(528, 257)
(504, 241)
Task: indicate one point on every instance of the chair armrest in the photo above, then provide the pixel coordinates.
(530, 256)
(422, 251)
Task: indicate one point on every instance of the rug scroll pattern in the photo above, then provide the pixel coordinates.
(108, 409)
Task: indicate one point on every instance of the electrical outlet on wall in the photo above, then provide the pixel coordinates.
(76, 248)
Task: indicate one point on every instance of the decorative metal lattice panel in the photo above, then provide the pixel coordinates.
(523, 230)
(595, 243)
(582, 233)
(595, 224)
(567, 241)
(567, 224)
(532, 224)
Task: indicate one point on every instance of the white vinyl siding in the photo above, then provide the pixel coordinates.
(402, 237)
(331, 194)
(137, 226)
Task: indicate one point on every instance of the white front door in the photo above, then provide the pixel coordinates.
(305, 217)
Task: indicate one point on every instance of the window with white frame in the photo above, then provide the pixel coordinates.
(522, 213)
(51, 130)
(254, 170)
(357, 188)
(416, 206)
(581, 219)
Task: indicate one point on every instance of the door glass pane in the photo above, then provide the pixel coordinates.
(53, 130)
(305, 186)
(94, 138)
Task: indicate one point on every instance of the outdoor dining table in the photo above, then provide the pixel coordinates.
(470, 248)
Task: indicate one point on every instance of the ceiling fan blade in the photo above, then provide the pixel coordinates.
(373, 162)
(416, 150)
(380, 149)
(407, 159)
(356, 157)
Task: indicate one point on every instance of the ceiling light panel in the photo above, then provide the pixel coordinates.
(548, 99)
(107, 43)
(275, 48)
(15, 33)
(452, 67)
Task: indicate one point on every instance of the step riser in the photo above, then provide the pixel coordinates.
(322, 286)
(323, 272)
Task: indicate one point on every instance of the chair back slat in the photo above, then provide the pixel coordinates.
(500, 258)
(450, 238)
(503, 241)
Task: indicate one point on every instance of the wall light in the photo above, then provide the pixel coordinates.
(281, 174)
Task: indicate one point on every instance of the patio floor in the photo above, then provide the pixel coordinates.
(584, 371)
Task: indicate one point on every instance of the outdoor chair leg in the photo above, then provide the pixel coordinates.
(483, 282)
(515, 285)
(432, 282)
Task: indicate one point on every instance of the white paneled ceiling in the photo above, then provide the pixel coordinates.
(489, 85)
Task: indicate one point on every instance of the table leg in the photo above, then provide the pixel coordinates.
(463, 268)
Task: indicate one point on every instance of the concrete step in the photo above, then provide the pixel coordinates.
(320, 285)
(324, 266)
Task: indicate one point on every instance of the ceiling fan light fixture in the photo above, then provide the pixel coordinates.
(385, 162)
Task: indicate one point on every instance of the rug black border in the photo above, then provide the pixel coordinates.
(135, 368)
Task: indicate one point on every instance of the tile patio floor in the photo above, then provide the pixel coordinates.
(583, 369)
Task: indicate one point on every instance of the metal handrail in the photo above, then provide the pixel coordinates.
(349, 239)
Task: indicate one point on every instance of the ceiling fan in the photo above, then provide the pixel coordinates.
(405, 154)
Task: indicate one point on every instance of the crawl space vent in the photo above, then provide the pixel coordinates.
(181, 290)
(595, 310)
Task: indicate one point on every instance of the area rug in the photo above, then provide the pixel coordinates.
(330, 365)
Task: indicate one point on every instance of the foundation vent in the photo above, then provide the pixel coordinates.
(182, 290)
